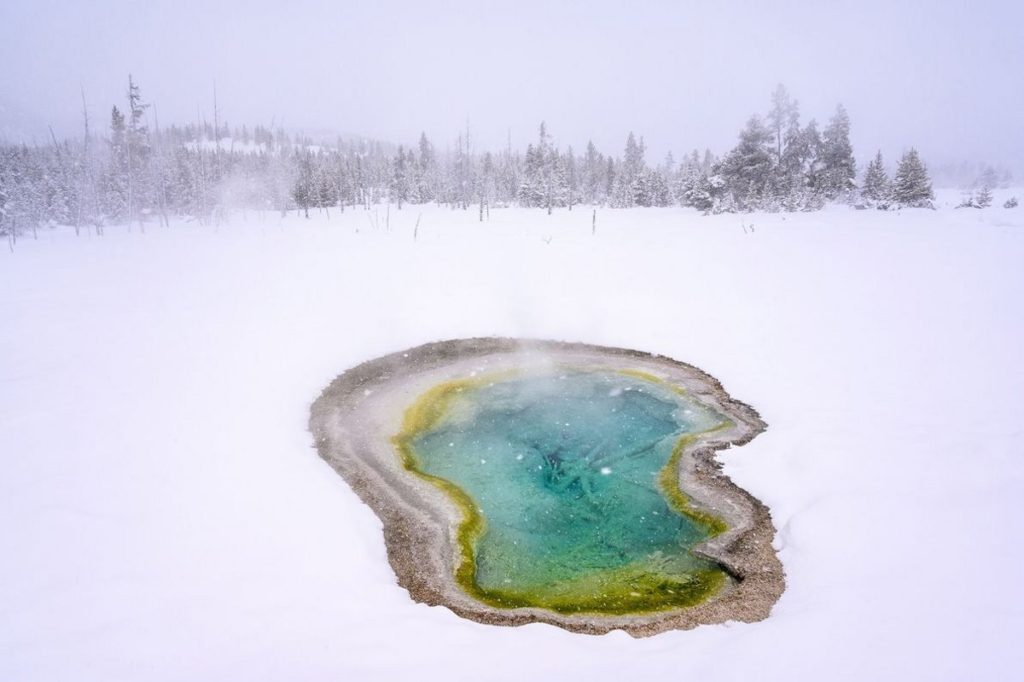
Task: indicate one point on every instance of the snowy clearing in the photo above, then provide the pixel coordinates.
(165, 516)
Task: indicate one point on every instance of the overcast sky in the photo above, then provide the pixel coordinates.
(946, 76)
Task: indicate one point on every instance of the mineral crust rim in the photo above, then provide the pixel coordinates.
(353, 420)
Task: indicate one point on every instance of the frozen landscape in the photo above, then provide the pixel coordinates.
(385, 340)
(166, 517)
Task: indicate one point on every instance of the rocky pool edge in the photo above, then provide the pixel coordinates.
(420, 524)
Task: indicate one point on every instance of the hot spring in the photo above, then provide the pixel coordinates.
(567, 482)
(523, 481)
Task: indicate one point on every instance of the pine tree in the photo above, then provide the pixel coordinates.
(486, 185)
(630, 188)
(659, 191)
(704, 191)
(571, 178)
(6, 187)
(508, 175)
(558, 182)
(876, 182)
(988, 180)
(303, 191)
(610, 173)
(593, 176)
(427, 171)
(791, 171)
(137, 151)
(783, 113)
(748, 167)
(115, 179)
(813, 166)
(983, 197)
(531, 189)
(912, 187)
(400, 185)
(544, 180)
(838, 166)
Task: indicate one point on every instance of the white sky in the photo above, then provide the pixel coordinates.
(947, 76)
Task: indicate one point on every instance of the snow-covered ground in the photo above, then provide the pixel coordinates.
(163, 515)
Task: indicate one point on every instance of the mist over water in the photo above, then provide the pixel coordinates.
(942, 76)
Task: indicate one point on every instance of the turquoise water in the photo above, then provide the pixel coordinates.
(564, 469)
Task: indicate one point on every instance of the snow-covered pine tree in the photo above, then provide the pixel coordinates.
(987, 181)
(592, 184)
(6, 171)
(780, 118)
(912, 187)
(629, 188)
(983, 197)
(486, 185)
(63, 196)
(876, 186)
(538, 182)
(838, 166)
(686, 179)
(558, 182)
(531, 191)
(659, 192)
(137, 150)
(571, 178)
(813, 151)
(326, 189)
(989, 178)
(303, 191)
(704, 192)
(114, 194)
(400, 184)
(747, 168)
(610, 173)
(426, 171)
(788, 179)
(508, 172)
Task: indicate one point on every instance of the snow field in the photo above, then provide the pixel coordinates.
(163, 515)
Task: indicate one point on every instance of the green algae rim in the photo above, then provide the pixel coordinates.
(651, 592)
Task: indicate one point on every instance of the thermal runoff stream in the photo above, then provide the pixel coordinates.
(569, 488)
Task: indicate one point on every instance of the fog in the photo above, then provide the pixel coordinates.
(944, 76)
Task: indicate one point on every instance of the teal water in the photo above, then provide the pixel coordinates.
(564, 469)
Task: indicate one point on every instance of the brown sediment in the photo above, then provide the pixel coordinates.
(355, 418)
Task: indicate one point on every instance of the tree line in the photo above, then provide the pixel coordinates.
(137, 173)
